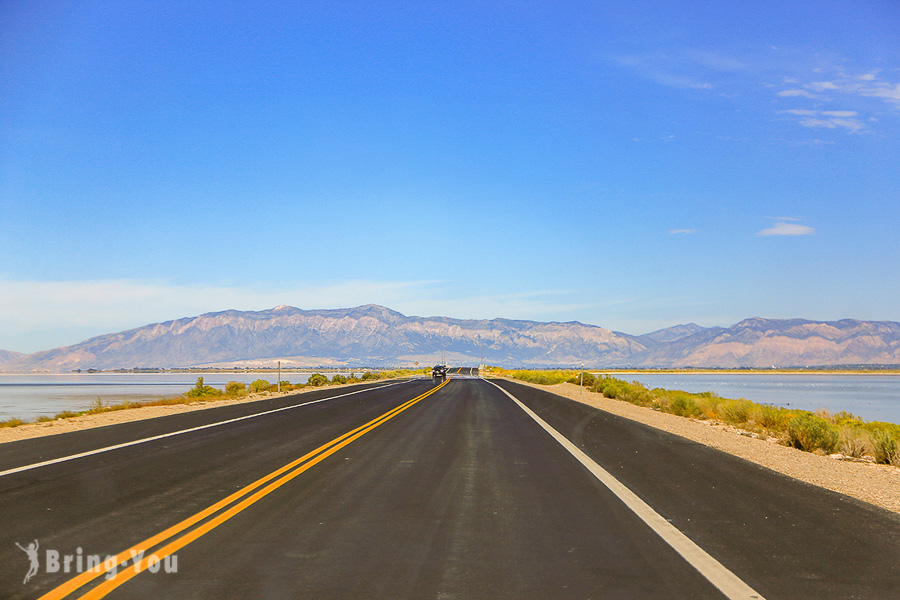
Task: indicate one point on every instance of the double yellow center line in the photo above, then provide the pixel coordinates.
(218, 511)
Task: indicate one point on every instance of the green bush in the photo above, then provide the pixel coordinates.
(770, 417)
(370, 376)
(338, 379)
(582, 378)
(316, 380)
(201, 391)
(736, 412)
(886, 447)
(545, 377)
(260, 385)
(684, 406)
(234, 388)
(810, 433)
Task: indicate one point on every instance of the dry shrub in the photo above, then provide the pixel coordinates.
(810, 432)
(886, 447)
(853, 442)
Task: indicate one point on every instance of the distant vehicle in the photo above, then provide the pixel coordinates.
(439, 371)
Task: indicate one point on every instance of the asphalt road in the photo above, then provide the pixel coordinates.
(421, 490)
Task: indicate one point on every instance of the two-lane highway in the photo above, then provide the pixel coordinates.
(423, 489)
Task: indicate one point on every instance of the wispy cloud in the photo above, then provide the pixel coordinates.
(787, 226)
(860, 97)
(869, 85)
(682, 231)
(796, 94)
(828, 119)
(677, 71)
(856, 90)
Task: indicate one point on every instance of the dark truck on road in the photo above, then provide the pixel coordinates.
(439, 371)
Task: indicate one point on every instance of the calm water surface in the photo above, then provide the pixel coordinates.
(872, 397)
(29, 396)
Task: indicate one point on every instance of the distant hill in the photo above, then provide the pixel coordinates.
(9, 356)
(781, 342)
(671, 334)
(376, 336)
(368, 335)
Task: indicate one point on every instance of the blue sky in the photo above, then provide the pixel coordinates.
(633, 165)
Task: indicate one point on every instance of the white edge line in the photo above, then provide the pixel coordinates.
(726, 581)
(173, 433)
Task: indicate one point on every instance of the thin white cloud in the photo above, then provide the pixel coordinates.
(840, 113)
(851, 125)
(682, 231)
(844, 88)
(667, 70)
(784, 228)
(822, 86)
(795, 94)
(827, 119)
(868, 85)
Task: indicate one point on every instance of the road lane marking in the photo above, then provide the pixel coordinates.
(284, 474)
(714, 571)
(173, 433)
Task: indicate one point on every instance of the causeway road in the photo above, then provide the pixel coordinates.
(464, 488)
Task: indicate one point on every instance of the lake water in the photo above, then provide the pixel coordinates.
(871, 397)
(29, 396)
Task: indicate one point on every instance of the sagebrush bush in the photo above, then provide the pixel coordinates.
(853, 441)
(316, 380)
(886, 447)
(201, 390)
(684, 406)
(736, 412)
(260, 385)
(770, 417)
(233, 388)
(810, 432)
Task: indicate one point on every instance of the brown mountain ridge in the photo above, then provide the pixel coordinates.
(376, 336)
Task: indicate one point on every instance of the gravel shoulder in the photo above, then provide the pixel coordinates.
(876, 484)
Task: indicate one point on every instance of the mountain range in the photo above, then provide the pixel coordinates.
(376, 336)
